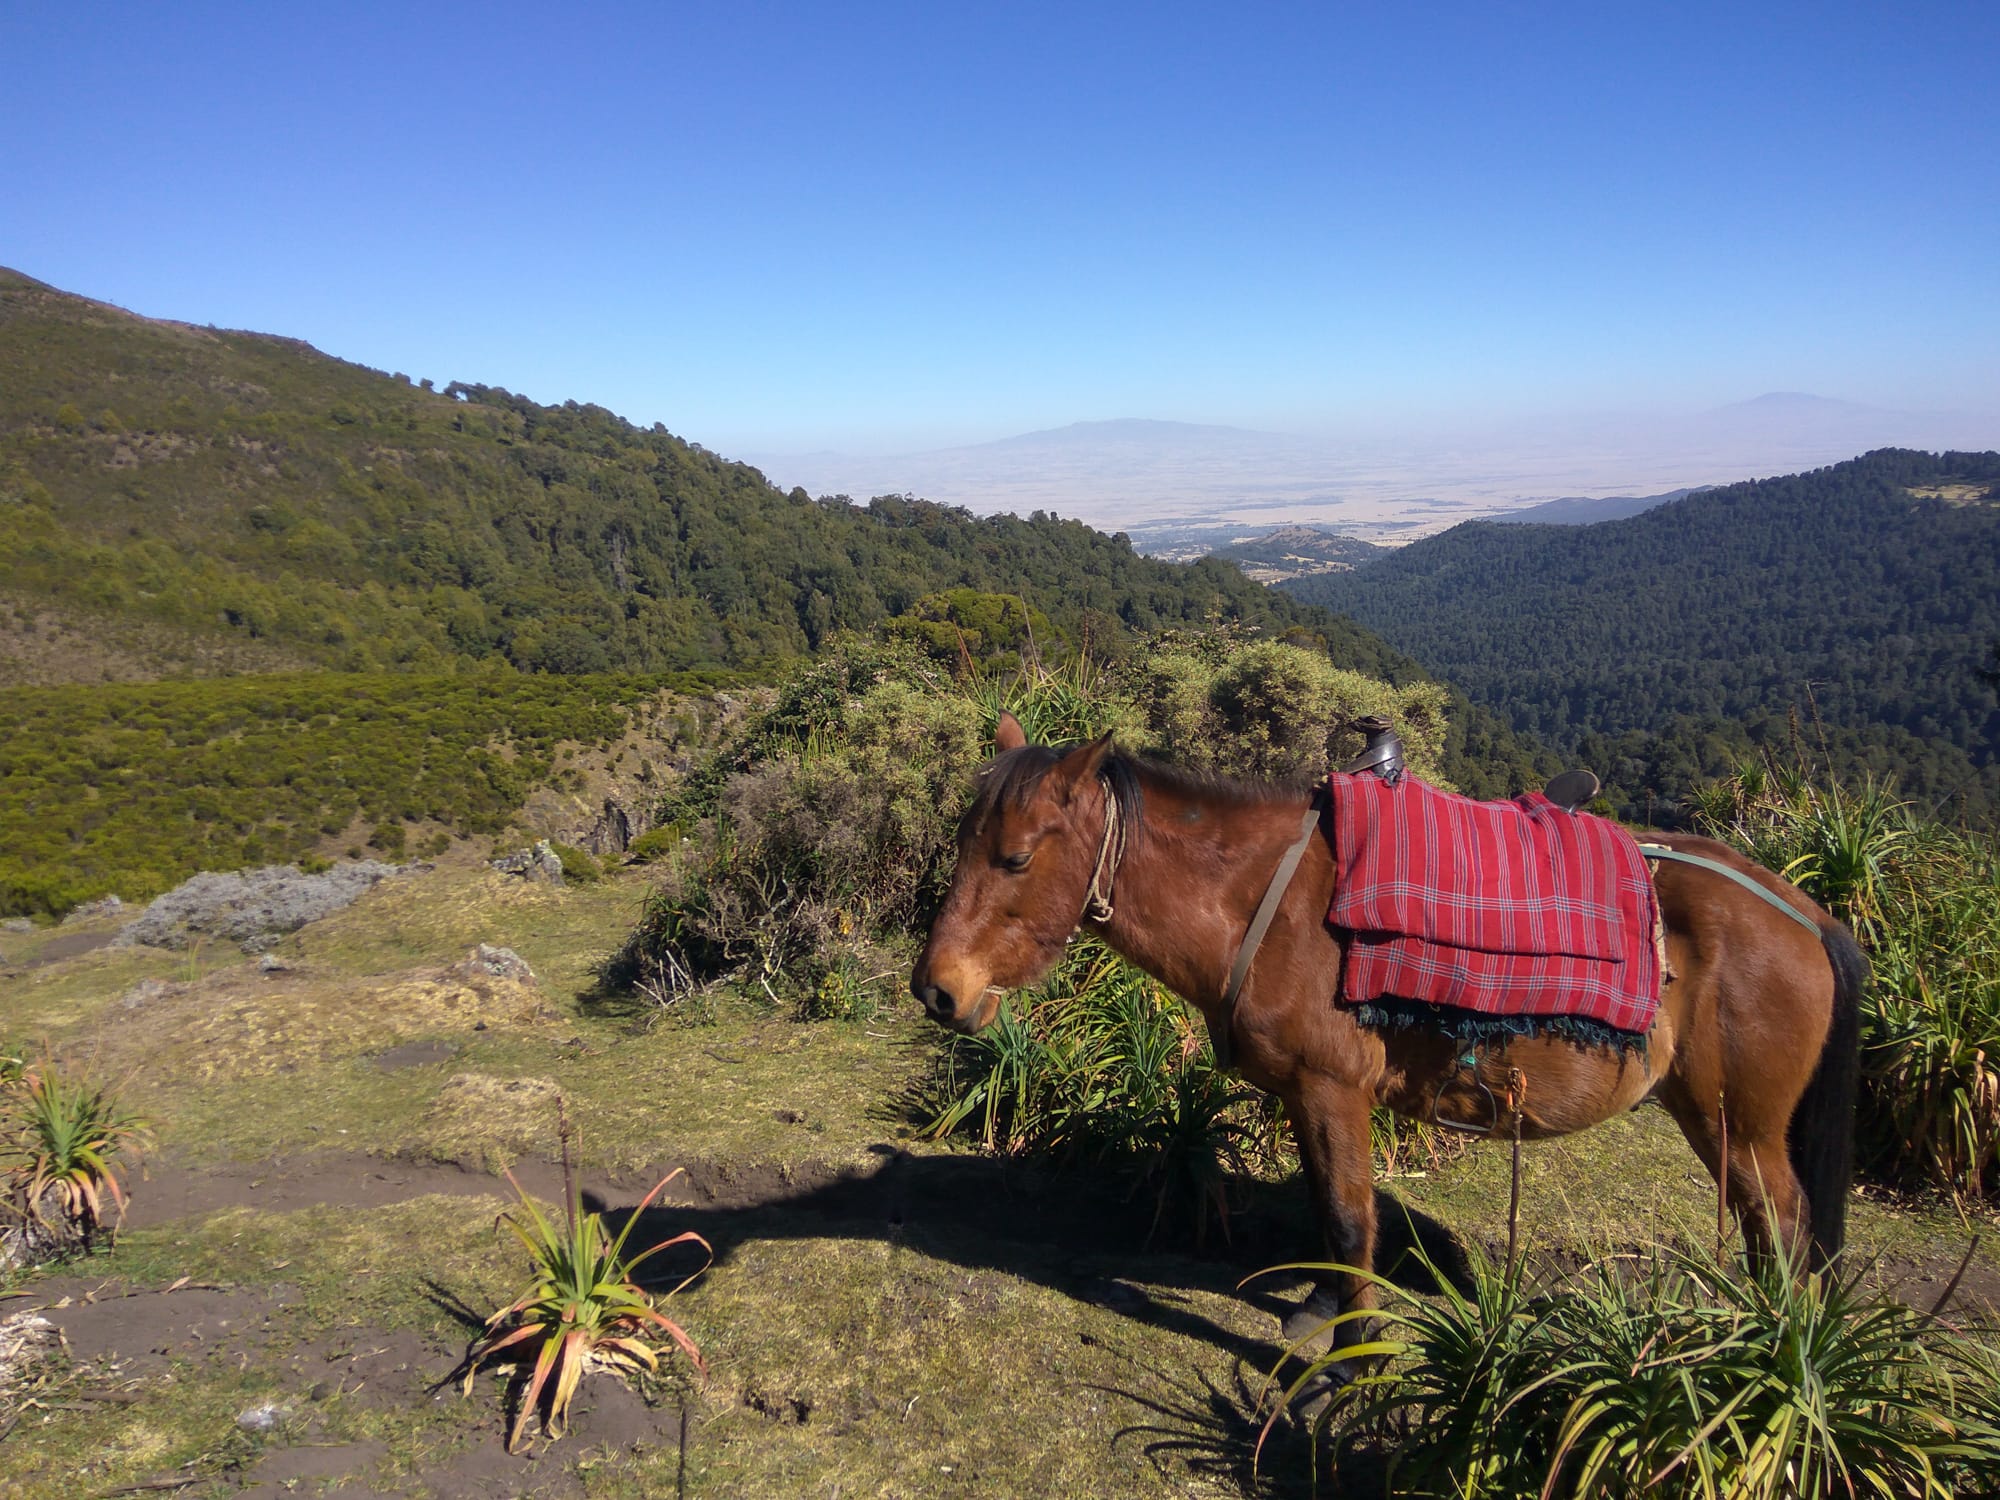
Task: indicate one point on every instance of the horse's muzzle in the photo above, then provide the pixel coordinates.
(952, 1010)
(939, 1004)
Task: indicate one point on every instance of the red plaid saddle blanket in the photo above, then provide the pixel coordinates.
(1506, 908)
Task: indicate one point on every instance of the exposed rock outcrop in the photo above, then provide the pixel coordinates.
(253, 908)
(539, 863)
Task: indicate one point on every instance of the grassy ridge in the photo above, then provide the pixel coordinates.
(128, 788)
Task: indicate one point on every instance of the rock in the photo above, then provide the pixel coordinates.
(270, 963)
(252, 907)
(263, 1417)
(146, 992)
(103, 906)
(612, 833)
(33, 1238)
(501, 963)
(17, 924)
(538, 863)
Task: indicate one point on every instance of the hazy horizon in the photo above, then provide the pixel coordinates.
(1388, 487)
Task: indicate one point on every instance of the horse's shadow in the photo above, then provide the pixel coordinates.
(1075, 1232)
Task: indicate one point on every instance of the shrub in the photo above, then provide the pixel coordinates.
(65, 1141)
(1264, 710)
(135, 786)
(653, 845)
(819, 837)
(1100, 1063)
(820, 833)
(578, 867)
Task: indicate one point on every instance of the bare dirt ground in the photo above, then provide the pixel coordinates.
(313, 1244)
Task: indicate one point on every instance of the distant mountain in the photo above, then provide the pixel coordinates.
(1857, 604)
(1298, 552)
(1153, 479)
(1580, 510)
(1141, 433)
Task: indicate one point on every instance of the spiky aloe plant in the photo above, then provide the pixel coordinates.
(582, 1309)
(71, 1141)
(1667, 1374)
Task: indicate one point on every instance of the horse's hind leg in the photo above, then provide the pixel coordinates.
(1762, 1188)
(1330, 1120)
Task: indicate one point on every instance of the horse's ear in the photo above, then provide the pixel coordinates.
(1080, 767)
(1008, 734)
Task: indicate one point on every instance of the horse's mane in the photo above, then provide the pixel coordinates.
(1213, 786)
(1013, 778)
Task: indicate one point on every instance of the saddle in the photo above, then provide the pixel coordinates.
(1519, 908)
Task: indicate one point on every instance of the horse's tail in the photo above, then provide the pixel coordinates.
(1821, 1138)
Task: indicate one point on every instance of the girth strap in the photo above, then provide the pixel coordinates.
(1281, 881)
(1661, 851)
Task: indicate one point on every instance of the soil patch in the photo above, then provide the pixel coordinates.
(65, 945)
(415, 1055)
(345, 1180)
(309, 1468)
(1920, 1282)
(138, 1331)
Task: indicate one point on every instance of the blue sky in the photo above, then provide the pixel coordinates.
(862, 226)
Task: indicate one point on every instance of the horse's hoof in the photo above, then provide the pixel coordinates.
(1313, 1400)
(1308, 1328)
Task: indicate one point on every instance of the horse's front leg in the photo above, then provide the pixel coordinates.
(1330, 1120)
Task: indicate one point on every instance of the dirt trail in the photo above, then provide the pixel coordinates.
(172, 1190)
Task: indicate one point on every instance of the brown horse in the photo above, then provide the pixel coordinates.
(1754, 1050)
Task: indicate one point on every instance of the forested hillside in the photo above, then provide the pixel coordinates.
(1862, 599)
(238, 489)
(210, 478)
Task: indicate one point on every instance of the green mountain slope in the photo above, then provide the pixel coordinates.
(1665, 644)
(221, 478)
(244, 490)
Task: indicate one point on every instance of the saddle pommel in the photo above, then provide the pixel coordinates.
(1382, 751)
(1571, 789)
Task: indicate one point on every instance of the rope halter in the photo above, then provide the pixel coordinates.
(1110, 854)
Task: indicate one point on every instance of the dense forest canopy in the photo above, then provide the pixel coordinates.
(1855, 607)
(236, 483)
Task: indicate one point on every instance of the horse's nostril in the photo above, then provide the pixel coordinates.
(937, 1002)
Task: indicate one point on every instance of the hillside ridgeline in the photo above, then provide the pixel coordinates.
(247, 486)
(177, 501)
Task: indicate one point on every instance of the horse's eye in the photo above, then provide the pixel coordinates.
(1017, 862)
